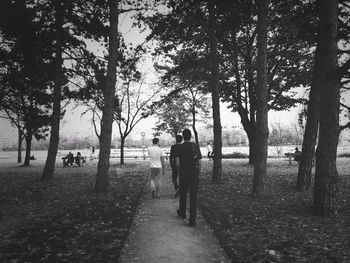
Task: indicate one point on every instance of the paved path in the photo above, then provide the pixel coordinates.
(159, 235)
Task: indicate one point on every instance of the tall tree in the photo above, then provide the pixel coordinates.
(102, 180)
(311, 129)
(214, 86)
(313, 110)
(56, 111)
(288, 55)
(262, 131)
(26, 70)
(326, 187)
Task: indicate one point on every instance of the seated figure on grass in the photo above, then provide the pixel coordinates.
(78, 159)
(69, 159)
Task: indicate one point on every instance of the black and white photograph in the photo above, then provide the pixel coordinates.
(175, 131)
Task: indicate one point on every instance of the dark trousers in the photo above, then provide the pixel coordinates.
(175, 176)
(189, 183)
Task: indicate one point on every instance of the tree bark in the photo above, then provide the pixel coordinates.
(194, 125)
(252, 145)
(102, 180)
(28, 139)
(326, 187)
(261, 95)
(56, 111)
(217, 164)
(19, 146)
(122, 145)
(311, 129)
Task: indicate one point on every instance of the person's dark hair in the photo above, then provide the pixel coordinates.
(186, 134)
(178, 138)
(155, 140)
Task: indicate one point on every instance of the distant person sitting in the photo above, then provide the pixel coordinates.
(69, 159)
(297, 155)
(78, 159)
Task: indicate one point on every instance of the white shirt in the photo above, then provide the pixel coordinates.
(155, 154)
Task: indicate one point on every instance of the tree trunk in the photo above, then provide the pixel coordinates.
(252, 109)
(19, 146)
(194, 126)
(252, 146)
(217, 164)
(122, 145)
(102, 180)
(326, 188)
(311, 129)
(56, 111)
(28, 148)
(261, 95)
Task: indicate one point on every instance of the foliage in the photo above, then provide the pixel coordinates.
(64, 220)
(173, 117)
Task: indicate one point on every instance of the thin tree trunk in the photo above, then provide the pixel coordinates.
(311, 130)
(261, 95)
(252, 146)
(194, 126)
(252, 109)
(19, 146)
(28, 149)
(56, 111)
(122, 145)
(217, 164)
(102, 180)
(326, 188)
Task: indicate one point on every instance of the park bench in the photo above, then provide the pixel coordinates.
(291, 155)
(81, 160)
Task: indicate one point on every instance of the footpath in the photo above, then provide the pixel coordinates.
(158, 235)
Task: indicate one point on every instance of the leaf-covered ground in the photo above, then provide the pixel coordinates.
(280, 227)
(64, 220)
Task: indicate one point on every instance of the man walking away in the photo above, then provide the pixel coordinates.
(175, 170)
(157, 166)
(189, 156)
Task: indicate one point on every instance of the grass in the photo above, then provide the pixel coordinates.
(279, 227)
(64, 220)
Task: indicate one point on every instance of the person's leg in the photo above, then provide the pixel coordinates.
(152, 182)
(193, 200)
(182, 202)
(175, 176)
(158, 182)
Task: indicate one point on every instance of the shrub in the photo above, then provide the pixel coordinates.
(344, 155)
(235, 155)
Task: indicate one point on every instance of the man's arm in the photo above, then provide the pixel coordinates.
(177, 163)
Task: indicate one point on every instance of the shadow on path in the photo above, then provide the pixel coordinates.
(159, 235)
